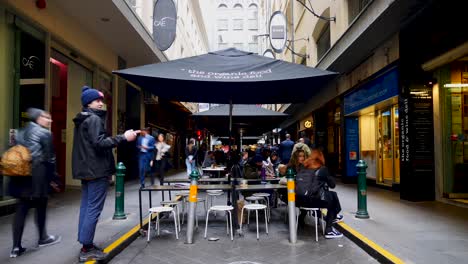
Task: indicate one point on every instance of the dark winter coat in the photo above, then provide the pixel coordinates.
(309, 181)
(92, 155)
(38, 140)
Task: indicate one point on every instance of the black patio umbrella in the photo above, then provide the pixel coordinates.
(229, 76)
(251, 120)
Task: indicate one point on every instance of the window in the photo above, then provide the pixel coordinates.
(222, 46)
(239, 46)
(323, 42)
(254, 38)
(253, 47)
(238, 24)
(253, 17)
(222, 24)
(355, 7)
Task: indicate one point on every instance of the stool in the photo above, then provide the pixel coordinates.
(223, 208)
(255, 207)
(174, 204)
(266, 197)
(157, 211)
(199, 200)
(211, 195)
(184, 195)
(309, 211)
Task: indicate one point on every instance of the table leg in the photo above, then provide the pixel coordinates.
(150, 200)
(141, 210)
(234, 201)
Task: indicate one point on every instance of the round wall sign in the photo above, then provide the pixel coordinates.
(278, 31)
(164, 23)
(269, 54)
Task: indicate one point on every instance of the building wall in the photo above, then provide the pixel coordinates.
(69, 32)
(233, 25)
(191, 37)
(62, 31)
(6, 80)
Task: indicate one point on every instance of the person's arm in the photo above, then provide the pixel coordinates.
(97, 135)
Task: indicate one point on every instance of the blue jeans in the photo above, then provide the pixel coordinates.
(93, 196)
(190, 166)
(144, 160)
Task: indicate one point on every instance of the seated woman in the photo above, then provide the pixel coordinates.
(317, 177)
(300, 153)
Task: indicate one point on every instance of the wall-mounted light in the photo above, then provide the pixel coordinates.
(455, 85)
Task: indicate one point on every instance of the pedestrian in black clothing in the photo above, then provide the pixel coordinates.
(316, 180)
(32, 191)
(93, 163)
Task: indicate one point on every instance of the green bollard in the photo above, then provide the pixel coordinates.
(362, 190)
(119, 213)
(290, 176)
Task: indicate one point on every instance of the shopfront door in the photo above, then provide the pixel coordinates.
(387, 144)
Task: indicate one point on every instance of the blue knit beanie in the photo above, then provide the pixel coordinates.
(89, 94)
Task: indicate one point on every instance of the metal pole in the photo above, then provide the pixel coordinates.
(291, 206)
(119, 213)
(362, 190)
(292, 31)
(194, 176)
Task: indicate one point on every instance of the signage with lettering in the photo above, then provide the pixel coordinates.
(164, 23)
(377, 90)
(416, 139)
(351, 145)
(278, 31)
(269, 54)
(32, 54)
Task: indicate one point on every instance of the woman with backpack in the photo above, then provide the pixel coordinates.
(32, 191)
(312, 190)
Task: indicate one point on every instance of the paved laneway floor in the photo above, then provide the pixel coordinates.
(271, 248)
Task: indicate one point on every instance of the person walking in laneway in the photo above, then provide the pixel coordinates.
(286, 148)
(145, 143)
(191, 156)
(32, 191)
(93, 164)
(161, 157)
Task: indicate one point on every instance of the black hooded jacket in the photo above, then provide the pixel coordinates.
(92, 156)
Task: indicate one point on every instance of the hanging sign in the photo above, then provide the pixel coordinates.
(164, 23)
(278, 31)
(269, 54)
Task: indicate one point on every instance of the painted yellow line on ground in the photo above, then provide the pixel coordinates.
(372, 244)
(465, 201)
(123, 238)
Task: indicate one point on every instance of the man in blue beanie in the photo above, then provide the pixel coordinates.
(93, 164)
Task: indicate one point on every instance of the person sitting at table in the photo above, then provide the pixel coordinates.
(300, 153)
(275, 160)
(253, 167)
(318, 180)
(209, 159)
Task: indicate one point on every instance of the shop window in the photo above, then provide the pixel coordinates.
(367, 143)
(454, 85)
